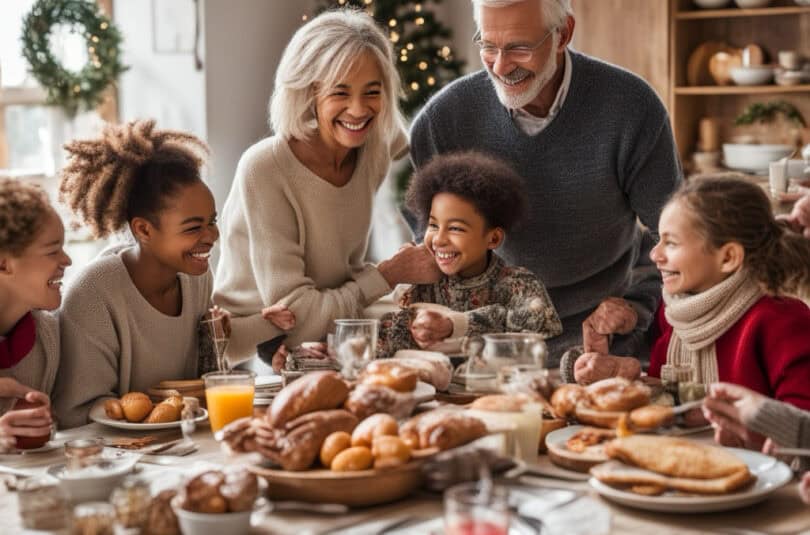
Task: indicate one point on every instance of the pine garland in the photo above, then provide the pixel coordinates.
(765, 112)
(65, 88)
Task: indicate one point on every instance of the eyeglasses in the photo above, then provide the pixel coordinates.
(518, 54)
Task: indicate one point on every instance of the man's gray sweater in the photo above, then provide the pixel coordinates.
(606, 159)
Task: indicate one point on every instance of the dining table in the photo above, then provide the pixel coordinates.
(781, 513)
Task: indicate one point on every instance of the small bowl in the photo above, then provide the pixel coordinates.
(98, 484)
(790, 77)
(748, 4)
(753, 158)
(711, 4)
(212, 524)
(752, 75)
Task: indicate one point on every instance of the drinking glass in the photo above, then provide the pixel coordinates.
(476, 509)
(42, 503)
(229, 396)
(355, 344)
(83, 452)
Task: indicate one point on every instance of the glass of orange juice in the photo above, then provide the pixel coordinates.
(229, 396)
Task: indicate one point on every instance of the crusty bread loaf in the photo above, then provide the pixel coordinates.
(366, 400)
(315, 391)
(163, 413)
(432, 368)
(618, 394)
(565, 399)
(619, 473)
(442, 430)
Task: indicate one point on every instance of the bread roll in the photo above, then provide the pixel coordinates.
(565, 399)
(113, 409)
(163, 413)
(500, 403)
(202, 495)
(390, 451)
(240, 489)
(376, 425)
(315, 391)
(618, 394)
(392, 374)
(352, 459)
(334, 444)
(442, 430)
(136, 405)
(366, 400)
(432, 369)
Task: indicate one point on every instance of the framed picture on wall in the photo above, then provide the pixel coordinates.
(173, 26)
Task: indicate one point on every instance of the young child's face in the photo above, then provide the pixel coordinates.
(458, 236)
(188, 230)
(346, 112)
(687, 262)
(36, 275)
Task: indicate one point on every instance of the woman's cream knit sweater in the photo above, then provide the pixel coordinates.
(290, 237)
(114, 341)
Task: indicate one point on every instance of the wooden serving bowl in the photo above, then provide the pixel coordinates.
(355, 489)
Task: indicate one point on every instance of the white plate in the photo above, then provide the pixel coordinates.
(424, 392)
(97, 414)
(268, 380)
(770, 476)
(557, 439)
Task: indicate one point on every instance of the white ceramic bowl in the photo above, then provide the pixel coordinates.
(93, 484)
(711, 4)
(753, 158)
(752, 75)
(748, 4)
(212, 524)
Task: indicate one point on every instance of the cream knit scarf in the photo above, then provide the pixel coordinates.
(699, 320)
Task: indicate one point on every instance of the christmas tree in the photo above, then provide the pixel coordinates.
(421, 43)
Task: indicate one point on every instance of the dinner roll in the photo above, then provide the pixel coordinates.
(334, 444)
(355, 458)
(376, 425)
(136, 405)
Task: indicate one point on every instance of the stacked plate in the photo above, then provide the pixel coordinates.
(186, 388)
(267, 386)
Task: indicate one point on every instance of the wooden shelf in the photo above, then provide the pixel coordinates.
(741, 89)
(703, 14)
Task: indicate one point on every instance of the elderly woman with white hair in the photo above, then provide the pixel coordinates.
(296, 223)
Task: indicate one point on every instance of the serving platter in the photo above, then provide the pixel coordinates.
(97, 414)
(356, 489)
(562, 457)
(770, 475)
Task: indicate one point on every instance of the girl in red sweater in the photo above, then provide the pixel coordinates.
(726, 265)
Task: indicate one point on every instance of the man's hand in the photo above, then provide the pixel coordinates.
(430, 327)
(804, 488)
(731, 409)
(799, 217)
(614, 315)
(412, 264)
(592, 367)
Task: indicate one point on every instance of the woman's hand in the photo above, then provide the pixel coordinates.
(412, 264)
(592, 367)
(430, 327)
(731, 409)
(280, 358)
(799, 217)
(26, 422)
(804, 488)
(614, 315)
(280, 316)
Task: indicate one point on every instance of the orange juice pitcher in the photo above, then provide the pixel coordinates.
(229, 396)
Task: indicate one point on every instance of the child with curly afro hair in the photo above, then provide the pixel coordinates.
(32, 263)
(132, 318)
(467, 202)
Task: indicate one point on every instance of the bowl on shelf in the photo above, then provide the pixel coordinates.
(802, 2)
(752, 75)
(783, 77)
(753, 158)
(711, 4)
(748, 4)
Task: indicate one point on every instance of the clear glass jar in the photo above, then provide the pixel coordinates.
(42, 503)
(93, 518)
(83, 452)
(131, 502)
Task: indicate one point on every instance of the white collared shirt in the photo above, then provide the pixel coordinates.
(532, 125)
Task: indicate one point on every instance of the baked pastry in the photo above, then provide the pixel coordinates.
(650, 417)
(161, 519)
(163, 413)
(202, 495)
(442, 430)
(314, 391)
(431, 368)
(392, 374)
(389, 451)
(136, 405)
(334, 444)
(366, 400)
(565, 399)
(501, 403)
(113, 409)
(618, 394)
(376, 425)
(240, 489)
(587, 437)
(352, 459)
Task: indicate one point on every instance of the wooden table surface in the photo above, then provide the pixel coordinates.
(781, 513)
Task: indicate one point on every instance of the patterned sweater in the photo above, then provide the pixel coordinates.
(501, 299)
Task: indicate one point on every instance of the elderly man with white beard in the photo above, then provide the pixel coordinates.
(594, 145)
